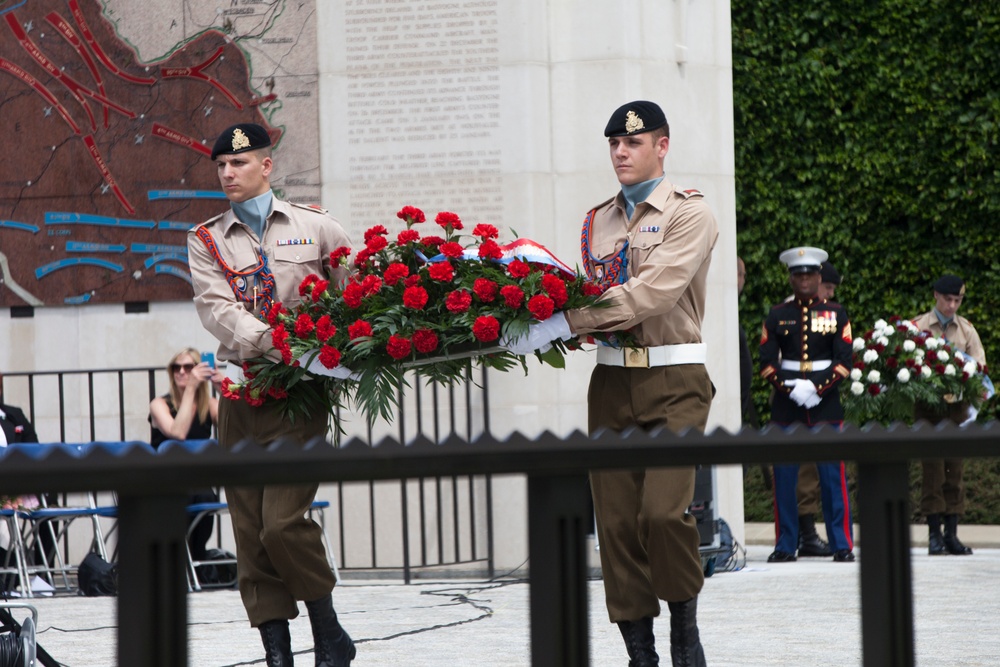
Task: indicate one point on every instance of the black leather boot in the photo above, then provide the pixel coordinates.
(639, 642)
(810, 543)
(277, 643)
(685, 643)
(935, 541)
(333, 646)
(951, 541)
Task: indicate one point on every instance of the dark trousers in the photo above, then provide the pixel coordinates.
(280, 556)
(649, 543)
(836, 506)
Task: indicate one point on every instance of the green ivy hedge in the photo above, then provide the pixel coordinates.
(869, 130)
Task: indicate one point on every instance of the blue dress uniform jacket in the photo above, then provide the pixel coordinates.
(813, 336)
(810, 334)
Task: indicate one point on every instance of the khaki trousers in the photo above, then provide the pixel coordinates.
(649, 543)
(808, 489)
(942, 487)
(280, 556)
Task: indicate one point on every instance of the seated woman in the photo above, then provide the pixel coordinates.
(188, 412)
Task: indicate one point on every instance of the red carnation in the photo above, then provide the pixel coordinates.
(372, 232)
(361, 259)
(304, 325)
(485, 289)
(371, 285)
(485, 232)
(277, 392)
(253, 397)
(451, 250)
(329, 356)
(279, 335)
(230, 389)
(441, 271)
(541, 307)
(874, 389)
(411, 215)
(306, 282)
(486, 328)
(449, 220)
(376, 243)
(432, 241)
(395, 272)
(360, 329)
(425, 340)
(518, 269)
(340, 253)
(458, 301)
(415, 297)
(591, 289)
(325, 328)
(891, 362)
(490, 250)
(407, 236)
(318, 289)
(931, 355)
(272, 315)
(412, 280)
(555, 288)
(512, 295)
(398, 347)
(352, 295)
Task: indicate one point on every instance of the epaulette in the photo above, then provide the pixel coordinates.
(209, 221)
(315, 208)
(603, 203)
(687, 194)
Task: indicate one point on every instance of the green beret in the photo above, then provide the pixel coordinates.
(241, 138)
(635, 118)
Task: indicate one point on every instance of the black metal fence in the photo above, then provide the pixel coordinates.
(409, 526)
(152, 612)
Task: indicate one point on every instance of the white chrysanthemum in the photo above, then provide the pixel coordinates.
(909, 346)
(949, 370)
(881, 324)
(910, 326)
(925, 371)
(943, 356)
(856, 374)
(932, 343)
(888, 331)
(970, 368)
(870, 356)
(874, 377)
(859, 344)
(903, 375)
(883, 341)
(919, 353)
(857, 388)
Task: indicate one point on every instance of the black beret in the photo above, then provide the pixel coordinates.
(635, 118)
(829, 274)
(949, 284)
(240, 138)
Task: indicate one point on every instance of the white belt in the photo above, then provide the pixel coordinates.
(647, 357)
(806, 366)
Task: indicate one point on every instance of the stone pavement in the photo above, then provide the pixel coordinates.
(795, 614)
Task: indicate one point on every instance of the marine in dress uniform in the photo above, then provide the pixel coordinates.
(943, 488)
(805, 352)
(243, 262)
(650, 246)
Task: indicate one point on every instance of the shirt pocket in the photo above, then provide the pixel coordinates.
(290, 266)
(645, 244)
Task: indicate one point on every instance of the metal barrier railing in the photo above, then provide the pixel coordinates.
(152, 612)
(112, 405)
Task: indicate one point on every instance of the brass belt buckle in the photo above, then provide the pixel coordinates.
(636, 357)
(806, 366)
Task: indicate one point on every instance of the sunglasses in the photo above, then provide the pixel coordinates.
(187, 368)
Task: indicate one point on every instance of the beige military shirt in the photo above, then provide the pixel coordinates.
(297, 241)
(961, 335)
(671, 236)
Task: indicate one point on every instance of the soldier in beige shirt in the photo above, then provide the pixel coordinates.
(943, 489)
(242, 263)
(650, 246)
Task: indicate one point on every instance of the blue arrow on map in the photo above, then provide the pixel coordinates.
(79, 246)
(23, 226)
(58, 218)
(45, 270)
(185, 194)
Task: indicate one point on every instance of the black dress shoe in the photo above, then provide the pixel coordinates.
(781, 557)
(843, 556)
(813, 546)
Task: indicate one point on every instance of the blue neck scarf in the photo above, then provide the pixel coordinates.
(637, 193)
(253, 212)
(942, 321)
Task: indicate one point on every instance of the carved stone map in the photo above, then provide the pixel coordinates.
(108, 110)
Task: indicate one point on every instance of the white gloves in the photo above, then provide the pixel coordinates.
(539, 335)
(803, 393)
(316, 367)
(970, 416)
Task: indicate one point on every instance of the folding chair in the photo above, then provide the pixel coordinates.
(201, 510)
(14, 569)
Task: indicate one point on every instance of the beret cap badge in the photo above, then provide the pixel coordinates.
(633, 123)
(240, 140)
